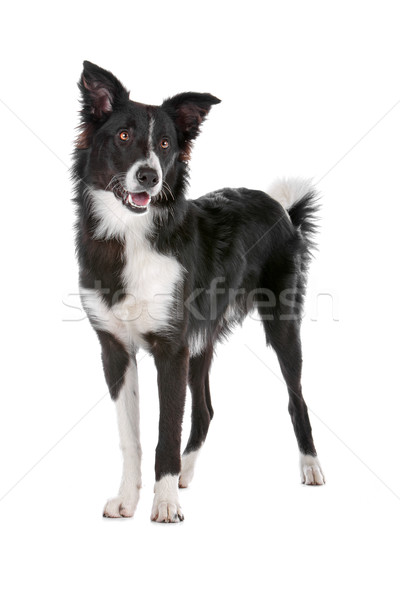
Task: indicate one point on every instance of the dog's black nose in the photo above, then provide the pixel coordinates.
(147, 177)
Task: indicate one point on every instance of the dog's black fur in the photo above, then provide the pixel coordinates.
(238, 248)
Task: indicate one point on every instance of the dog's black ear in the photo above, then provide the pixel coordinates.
(101, 91)
(188, 111)
(101, 94)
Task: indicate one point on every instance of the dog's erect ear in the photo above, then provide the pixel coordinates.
(188, 111)
(101, 94)
(101, 91)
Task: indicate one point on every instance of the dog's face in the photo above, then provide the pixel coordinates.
(133, 149)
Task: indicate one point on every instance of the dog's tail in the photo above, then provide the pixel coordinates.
(300, 198)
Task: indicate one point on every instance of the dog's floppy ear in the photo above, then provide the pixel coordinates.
(101, 94)
(188, 111)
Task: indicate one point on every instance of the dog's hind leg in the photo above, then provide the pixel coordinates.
(121, 375)
(202, 412)
(283, 333)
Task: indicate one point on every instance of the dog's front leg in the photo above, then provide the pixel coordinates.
(172, 370)
(120, 370)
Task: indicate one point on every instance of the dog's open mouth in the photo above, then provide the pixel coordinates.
(136, 202)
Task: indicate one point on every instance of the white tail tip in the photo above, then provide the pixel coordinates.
(288, 190)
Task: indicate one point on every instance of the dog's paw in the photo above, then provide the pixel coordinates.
(120, 506)
(310, 470)
(166, 507)
(187, 469)
(166, 512)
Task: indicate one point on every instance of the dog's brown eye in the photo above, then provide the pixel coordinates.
(164, 144)
(124, 136)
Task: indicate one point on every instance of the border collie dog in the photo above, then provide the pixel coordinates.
(174, 276)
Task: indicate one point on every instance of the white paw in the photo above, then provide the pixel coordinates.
(166, 507)
(166, 512)
(121, 506)
(187, 469)
(310, 470)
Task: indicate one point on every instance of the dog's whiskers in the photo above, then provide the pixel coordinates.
(168, 188)
(115, 180)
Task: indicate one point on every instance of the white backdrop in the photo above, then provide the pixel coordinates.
(308, 89)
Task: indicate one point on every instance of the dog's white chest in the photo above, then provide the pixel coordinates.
(150, 285)
(150, 282)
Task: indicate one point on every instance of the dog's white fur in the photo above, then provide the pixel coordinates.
(288, 190)
(166, 507)
(310, 470)
(131, 182)
(187, 468)
(127, 405)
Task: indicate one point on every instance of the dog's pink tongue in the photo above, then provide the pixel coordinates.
(141, 199)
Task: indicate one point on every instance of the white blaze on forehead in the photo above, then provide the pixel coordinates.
(151, 133)
(151, 160)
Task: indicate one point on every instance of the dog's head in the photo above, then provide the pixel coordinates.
(133, 150)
